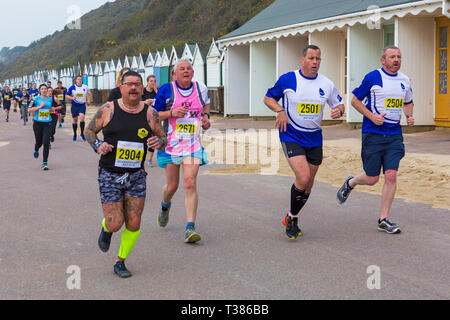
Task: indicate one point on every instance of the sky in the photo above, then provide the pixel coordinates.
(25, 21)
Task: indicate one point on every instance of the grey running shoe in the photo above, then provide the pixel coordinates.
(345, 190)
(163, 217)
(388, 226)
(121, 270)
(191, 236)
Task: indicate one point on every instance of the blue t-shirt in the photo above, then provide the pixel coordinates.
(304, 100)
(26, 99)
(43, 114)
(33, 93)
(384, 93)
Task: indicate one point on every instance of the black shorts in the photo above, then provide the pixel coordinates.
(63, 110)
(314, 155)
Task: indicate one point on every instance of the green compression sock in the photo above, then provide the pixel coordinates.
(104, 226)
(127, 243)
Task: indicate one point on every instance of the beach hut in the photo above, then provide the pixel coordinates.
(112, 75)
(164, 68)
(213, 66)
(141, 67)
(188, 52)
(198, 63)
(149, 63)
(126, 63)
(105, 76)
(157, 68)
(86, 75)
(134, 64)
(96, 76)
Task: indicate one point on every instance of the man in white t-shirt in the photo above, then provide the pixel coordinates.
(80, 95)
(388, 94)
(304, 94)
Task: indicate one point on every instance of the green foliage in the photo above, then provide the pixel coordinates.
(131, 27)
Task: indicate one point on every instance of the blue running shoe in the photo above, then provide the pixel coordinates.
(36, 154)
(74, 138)
(82, 137)
(45, 166)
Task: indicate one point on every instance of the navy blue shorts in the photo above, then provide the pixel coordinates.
(77, 109)
(115, 186)
(381, 151)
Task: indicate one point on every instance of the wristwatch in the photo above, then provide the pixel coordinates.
(97, 143)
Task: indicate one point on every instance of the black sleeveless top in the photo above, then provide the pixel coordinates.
(128, 133)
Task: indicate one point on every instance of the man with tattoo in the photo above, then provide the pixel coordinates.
(129, 126)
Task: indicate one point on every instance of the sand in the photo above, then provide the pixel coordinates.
(422, 178)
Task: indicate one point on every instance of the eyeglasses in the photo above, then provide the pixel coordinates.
(132, 84)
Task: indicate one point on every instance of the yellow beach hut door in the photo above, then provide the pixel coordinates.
(442, 72)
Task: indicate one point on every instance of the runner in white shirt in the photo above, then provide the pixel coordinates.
(305, 93)
(80, 95)
(388, 94)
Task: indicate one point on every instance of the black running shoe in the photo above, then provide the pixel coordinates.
(388, 226)
(292, 229)
(345, 190)
(104, 241)
(121, 270)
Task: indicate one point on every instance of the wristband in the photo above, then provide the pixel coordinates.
(97, 143)
(281, 111)
(209, 116)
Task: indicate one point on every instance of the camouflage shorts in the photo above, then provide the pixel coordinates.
(115, 186)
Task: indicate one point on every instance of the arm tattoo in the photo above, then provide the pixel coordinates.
(95, 125)
(156, 116)
(155, 125)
